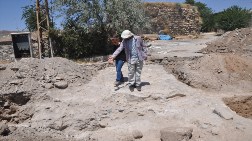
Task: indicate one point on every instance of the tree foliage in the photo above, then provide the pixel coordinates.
(29, 15)
(206, 14)
(229, 19)
(114, 15)
(191, 2)
(232, 18)
(89, 23)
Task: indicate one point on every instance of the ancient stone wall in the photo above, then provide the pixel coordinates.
(6, 53)
(173, 18)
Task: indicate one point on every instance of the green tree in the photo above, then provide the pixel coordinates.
(132, 16)
(232, 18)
(191, 2)
(108, 14)
(88, 24)
(206, 14)
(29, 16)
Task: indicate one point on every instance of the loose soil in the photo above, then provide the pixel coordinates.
(229, 69)
(241, 105)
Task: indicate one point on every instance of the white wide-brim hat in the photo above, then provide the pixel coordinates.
(126, 34)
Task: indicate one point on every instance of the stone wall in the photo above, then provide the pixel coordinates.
(6, 54)
(173, 18)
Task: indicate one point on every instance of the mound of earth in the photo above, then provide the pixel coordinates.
(227, 72)
(241, 105)
(34, 75)
(239, 40)
(227, 67)
(24, 80)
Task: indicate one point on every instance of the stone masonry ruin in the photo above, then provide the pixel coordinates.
(173, 18)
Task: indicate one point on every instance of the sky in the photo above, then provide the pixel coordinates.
(11, 10)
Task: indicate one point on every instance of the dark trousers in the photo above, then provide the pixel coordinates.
(119, 75)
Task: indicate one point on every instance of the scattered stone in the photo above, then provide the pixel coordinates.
(223, 112)
(14, 68)
(103, 124)
(6, 104)
(156, 97)
(15, 82)
(140, 114)
(48, 86)
(136, 98)
(175, 95)
(61, 84)
(20, 76)
(47, 77)
(59, 78)
(137, 134)
(215, 131)
(127, 138)
(57, 100)
(176, 134)
(204, 126)
(12, 128)
(120, 110)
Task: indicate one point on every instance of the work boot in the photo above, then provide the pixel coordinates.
(138, 88)
(117, 83)
(131, 87)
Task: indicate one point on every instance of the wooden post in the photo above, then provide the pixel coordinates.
(38, 27)
(48, 26)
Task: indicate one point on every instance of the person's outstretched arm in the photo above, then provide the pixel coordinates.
(118, 50)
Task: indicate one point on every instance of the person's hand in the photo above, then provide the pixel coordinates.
(110, 57)
(110, 60)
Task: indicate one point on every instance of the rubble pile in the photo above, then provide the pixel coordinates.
(34, 75)
(239, 40)
(226, 67)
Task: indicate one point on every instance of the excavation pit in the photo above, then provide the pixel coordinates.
(242, 105)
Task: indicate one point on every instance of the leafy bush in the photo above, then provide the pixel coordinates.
(232, 18)
(77, 43)
(89, 24)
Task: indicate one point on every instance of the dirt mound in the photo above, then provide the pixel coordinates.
(34, 75)
(241, 105)
(228, 67)
(23, 79)
(239, 40)
(227, 72)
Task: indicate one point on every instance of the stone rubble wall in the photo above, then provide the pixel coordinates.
(6, 53)
(173, 18)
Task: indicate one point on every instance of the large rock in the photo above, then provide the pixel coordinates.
(137, 134)
(61, 84)
(176, 134)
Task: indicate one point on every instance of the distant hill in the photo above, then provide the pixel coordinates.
(5, 37)
(5, 32)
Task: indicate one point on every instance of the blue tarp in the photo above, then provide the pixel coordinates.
(165, 37)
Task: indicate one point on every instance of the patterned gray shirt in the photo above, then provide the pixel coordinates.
(133, 50)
